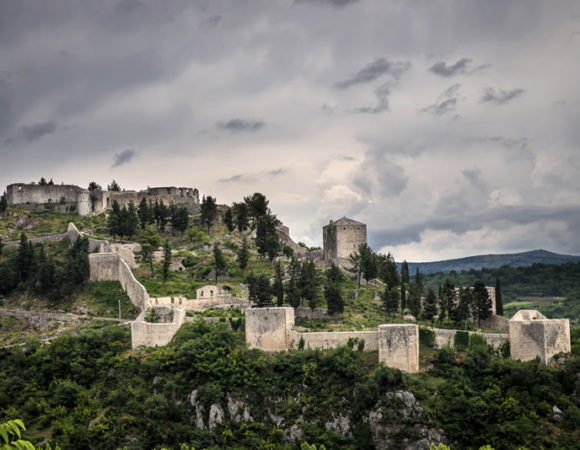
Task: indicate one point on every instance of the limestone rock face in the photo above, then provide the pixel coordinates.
(216, 416)
(388, 425)
(197, 408)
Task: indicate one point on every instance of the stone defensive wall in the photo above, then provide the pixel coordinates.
(95, 245)
(446, 338)
(271, 329)
(147, 334)
(333, 339)
(200, 304)
(168, 195)
(496, 322)
(317, 313)
(111, 267)
(533, 335)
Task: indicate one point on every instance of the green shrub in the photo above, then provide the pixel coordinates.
(461, 340)
(427, 337)
(476, 340)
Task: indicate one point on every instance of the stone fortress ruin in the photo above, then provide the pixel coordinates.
(270, 329)
(68, 197)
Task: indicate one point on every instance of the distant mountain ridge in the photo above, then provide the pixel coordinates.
(491, 262)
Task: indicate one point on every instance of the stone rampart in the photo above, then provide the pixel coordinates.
(146, 334)
(399, 346)
(95, 245)
(111, 267)
(268, 329)
(532, 335)
(333, 339)
(446, 338)
(200, 305)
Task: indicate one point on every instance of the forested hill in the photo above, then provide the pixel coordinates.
(478, 262)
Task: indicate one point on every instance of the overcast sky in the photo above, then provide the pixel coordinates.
(451, 128)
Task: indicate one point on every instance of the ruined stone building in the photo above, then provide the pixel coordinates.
(69, 198)
(341, 238)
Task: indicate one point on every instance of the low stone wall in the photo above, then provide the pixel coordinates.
(333, 339)
(146, 334)
(399, 346)
(446, 338)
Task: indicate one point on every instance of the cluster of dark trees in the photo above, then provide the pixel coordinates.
(3, 204)
(299, 284)
(54, 276)
(449, 303)
(126, 221)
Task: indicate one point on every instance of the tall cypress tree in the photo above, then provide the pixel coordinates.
(166, 260)
(278, 287)
(498, 298)
(405, 273)
(403, 297)
(430, 310)
(481, 302)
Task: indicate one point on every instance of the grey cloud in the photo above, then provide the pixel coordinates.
(235, 125)
(32, 132)
(212, 21)
(445, 103)
(442, 69)
(374, 70)
(504, 141)
(124, 157)
(382, 93)
(333, 3)
(231, 179)
(276, 172)
(378, 174)
(499, 96)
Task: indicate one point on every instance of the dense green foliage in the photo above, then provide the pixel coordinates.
(48, 270)
(91, 391)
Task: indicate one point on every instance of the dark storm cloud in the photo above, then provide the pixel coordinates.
(373, 70)
(442, 69)
(333, 3)
(499, 96)
(32, 132)
(445, 103)
(124, 157)
(235, 125)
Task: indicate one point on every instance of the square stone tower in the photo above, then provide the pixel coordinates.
(341, 238)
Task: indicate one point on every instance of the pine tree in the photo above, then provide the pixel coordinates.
(390, 297)
(368, 263)
(481, 302)
(267, 241)
(414, 300)
(355, 262)
(450, 298)
(229, 220)
(278, 287)
(403, 297)
(243, 254)
(240, 211)
(257, 205)
(465, 300)
(293, 290)
(309, 283)
(166, 260)
(405, 273)
(114, 186)
(498, 298)
(219, 261)
(3, 204)
(179, 219)
(419, 281)
(24, 259)
(144, 213)
(333, 290)
(208, 210)
(260, 290)
(114, 220)
(430, 310)
(150, 241)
